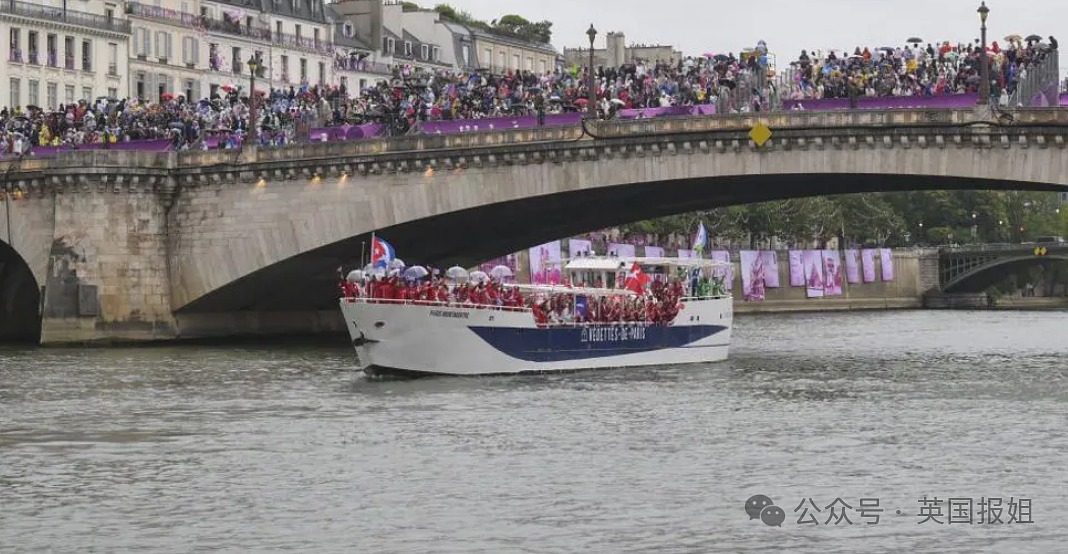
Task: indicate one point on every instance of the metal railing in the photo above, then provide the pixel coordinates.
(70, 17)
(161, 14)
(1041, 86)
(235, 28)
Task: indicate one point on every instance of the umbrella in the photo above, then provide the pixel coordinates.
(618, 102)
(166, 96)
(375, 271)
(581, 101)
(228, 88)
(354, 276)
(1034, 38)
(397, 263)
(729, 83)
(1014, 38)
(554, 98)
(479, 276)
(415, 272)
(709, 55)
(456, 273)
(500, 272)
(915, 40)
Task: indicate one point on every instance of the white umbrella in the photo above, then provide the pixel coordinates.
(394, 273)
(500, 272)
(618, 102)
(371, 270)
(416, 272)
(397, 263)
(479, 277)
(456, 273)
(354, 276)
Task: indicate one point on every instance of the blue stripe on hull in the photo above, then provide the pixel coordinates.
(581, 343)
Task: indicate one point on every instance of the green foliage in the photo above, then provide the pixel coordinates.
(410, 7)
(890, 219)
(510, 25)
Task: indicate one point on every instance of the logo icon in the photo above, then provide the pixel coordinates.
(763, 508)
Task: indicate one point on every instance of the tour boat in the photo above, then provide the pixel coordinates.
(416, 338)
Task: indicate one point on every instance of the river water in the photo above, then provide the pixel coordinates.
(283, 449)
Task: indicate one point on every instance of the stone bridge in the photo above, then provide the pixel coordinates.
(974, 268)
(133, 246)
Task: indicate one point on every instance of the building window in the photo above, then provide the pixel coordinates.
(113, 58)
(407, 48)
(504, 60)
(189, 90)
(391, 45)
(87, 55)
(315, 36)
(487, 60)
(163, 46)
(541, 66)
(424, 52)
(52, 50)
(298, 31)
(363, 84)
(34, 92)
(87, 94)
(16, 43)
(347, 29)
(113, 92)
(435, 54)
(530, 64)
(32, 47)
(69, 54)
(16, 100)
(344, 82)
(285, 69)
(515, 62)
(139, 87)
(322, 73)
(303, 71)
(53, 95)
(278, 30)
(68, 94)
(467, 56)
(190, 51)
(235, 60)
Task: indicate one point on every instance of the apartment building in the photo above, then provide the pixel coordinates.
(59, 52)
(166, 52)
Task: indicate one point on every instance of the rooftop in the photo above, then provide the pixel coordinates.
(309, 10)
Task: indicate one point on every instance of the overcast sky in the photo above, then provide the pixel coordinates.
(699, 26)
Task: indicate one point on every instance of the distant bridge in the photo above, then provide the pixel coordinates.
(960, 267)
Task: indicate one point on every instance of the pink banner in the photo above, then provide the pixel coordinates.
(752, 267)
(771, 268)
(654, 252)
(621, 250)
(867, 258)
(813, 262)
(726, 273)
(797, 268)
(579, 247)
(852, 263)
(545, 264)
(832, 273)
(886, 259)
(687, 253)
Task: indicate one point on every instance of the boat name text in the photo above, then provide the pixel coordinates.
(613, 334)
(444, 313)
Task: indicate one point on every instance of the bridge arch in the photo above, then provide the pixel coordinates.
(234, 245)
(979, 278)
(20, 299)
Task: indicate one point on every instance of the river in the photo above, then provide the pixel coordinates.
(282, 449)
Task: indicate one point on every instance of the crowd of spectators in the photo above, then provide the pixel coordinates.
(403, 101)
(916, 70)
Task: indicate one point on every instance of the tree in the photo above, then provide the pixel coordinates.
(410, 7)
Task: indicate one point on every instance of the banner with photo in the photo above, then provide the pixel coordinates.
(545, 264)
(852, 263)
(867, 258)
(771, 268)
(813, 264)
(687, 253)
(726, 272)
(797, 268)
(579, 247)
(832, 273)
(621, 250)
(886, 259)
(752, 268)
(654, 252)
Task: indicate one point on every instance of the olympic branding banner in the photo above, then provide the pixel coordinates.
(770, 258)
(832, 273)
(579, 247)
(725, 272)
(852, 263)
(545, 264)
(797, 268)
(621, 250)
(886, 259)
(813, 267)
(752, 275)
(654, 252)
(867, 258)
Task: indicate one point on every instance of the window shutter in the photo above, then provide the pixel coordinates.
(196, 50)
(146, 44)
(185, 50)
(167, 38)
(159, 43)
(137, 42)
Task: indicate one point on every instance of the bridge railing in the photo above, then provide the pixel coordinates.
(980, 248)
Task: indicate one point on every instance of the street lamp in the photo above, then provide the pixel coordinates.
(254, 64)
(591, 101)
(984, 86)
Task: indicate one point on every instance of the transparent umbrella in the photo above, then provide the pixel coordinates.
(354, 276)
(479, 277)
(456, 273)
(415, 272)
(500, 272)
(397, 263)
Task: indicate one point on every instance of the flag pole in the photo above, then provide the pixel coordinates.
(372, 258)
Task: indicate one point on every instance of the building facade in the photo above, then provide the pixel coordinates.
(55, 54)
(166, 54)
(616, 53)
(501, 54)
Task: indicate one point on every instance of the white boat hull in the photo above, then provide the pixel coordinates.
(421, 339)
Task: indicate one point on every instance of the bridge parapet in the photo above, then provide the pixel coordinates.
(957, 264)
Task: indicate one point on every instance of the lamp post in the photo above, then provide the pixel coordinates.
(254, 64)
(984, 85)
(591, 101)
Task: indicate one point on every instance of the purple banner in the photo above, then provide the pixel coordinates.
(725, 272)
(545, 264)
(884, 103)
(345, 132)
(813, 262)
(886, 259)
(770, 259)
(867, 257)
(511, 261)
(579, 247)
(832, 273)
(621, 250)
(752, 267)
(797, 268)
(654, 252)
(687, 253)
(852, 263)
(497, 124)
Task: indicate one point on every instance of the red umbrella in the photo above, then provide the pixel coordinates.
(228, 88)
(166, 96)
(581, 101)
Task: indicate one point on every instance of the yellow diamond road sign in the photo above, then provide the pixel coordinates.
(760, 134)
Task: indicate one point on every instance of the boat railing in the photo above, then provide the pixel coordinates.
(438, 303)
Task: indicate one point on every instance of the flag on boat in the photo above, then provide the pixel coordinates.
(636, 280)
(381, 252)
(582, 309)
(701, 240)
